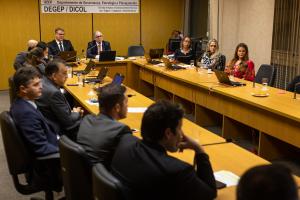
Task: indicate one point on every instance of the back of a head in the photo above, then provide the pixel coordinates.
(35, 53)
(158, 117)
(31, 44)
(267, 182)
(109, 95)
(42, 45)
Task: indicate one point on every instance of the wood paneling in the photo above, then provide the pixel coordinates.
(159, 19)
(121, 30)
(20, 22)
(78, 28)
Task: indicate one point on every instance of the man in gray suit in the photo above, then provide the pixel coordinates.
(21, 57)
(100, 134)
(53, 103)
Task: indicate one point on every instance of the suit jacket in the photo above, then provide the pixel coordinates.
(92, 49)
(99, 136)
(56, 109)
(38, 134)
(148, 172)
(20, 60)
(54, 49)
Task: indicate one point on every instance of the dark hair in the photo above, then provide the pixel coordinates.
(243, 64)
(109, 95)
(52, 66)
(23, 76)
(59, 29)
(267, 182)
(181, 43)
(158, 117)
(42, 45)
(33, 56)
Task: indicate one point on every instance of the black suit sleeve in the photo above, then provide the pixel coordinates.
(89, 53)
(34, 134)
(200, 184)
(61, 109)
(71, 48)
(108, 46)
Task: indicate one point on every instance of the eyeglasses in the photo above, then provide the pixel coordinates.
(99, 36)
(213, 45)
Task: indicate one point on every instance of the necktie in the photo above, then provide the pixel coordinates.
(99, 48)
(61, 47)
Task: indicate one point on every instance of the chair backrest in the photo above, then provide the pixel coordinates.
(76, 170)
(12, 90)
(18, 157)
(221, 63)
(136, 51)
(105, 185)
(265, 71)
(291, 86)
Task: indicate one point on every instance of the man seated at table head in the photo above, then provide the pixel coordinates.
(263, 182)
(148, 172)
(39, 136)
(59, 44)
(100, 134)
(97, 45)
(21, 57)
(53, 103)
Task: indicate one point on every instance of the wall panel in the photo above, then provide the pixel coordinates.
(19, 23)
(159, 19)
(78, 28)
(121, 30)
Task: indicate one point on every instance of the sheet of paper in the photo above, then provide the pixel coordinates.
(137, 109)
(227, 177)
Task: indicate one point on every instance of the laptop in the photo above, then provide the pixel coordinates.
(171, 66)
(150, 61)
(156, 53)
(87, 69)
(68, 56)
(100, 77)
(118, 79)
(223, 78)
(107, 56)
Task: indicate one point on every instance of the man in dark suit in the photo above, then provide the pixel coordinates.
(100, 134)
(97, 45)
(148, 172)
(21, 57)
(53, 103)
(59, 44)
(41, 139)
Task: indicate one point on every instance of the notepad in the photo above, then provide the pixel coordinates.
(137, 109)
(227, 177)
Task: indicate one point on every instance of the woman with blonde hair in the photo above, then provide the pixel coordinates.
(212, 58)
(240, 65)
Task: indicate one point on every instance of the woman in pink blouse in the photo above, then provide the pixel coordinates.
(241, 66)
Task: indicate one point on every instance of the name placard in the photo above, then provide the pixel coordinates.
(90, 6)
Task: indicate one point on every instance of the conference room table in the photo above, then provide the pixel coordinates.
(223, 156)
(234, 110)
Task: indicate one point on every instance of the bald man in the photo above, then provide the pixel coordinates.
(97, 45)
(21, 57)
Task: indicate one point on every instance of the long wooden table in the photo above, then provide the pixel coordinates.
(223, 156)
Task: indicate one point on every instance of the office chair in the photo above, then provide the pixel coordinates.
(221, 63)
(292, 85)
(105, 185)
(18, 158)
(76, 170)
(136, 51)
(265, 71)
(12, 90)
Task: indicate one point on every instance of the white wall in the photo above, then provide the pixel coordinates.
(248, 21)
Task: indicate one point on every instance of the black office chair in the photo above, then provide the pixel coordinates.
(136, 51)
(12, 90)
(105, 185)
(292, 86)
(18, 158)
(76, 170)
(265, 71)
